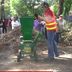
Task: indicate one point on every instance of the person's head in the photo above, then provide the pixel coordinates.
(45, 5)
(60, 17)
(36, 16)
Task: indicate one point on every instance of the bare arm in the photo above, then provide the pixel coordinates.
(47, 19)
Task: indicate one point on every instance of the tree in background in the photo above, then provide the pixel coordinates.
(23, 7)
(55, 7)
(63, 8)
(67, 7)
(29, 7)
(7, 8)
(61, 2)
(2, 9)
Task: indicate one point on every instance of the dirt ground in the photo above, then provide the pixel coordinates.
(63, 63)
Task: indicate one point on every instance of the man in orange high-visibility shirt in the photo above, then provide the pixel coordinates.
(51, 27)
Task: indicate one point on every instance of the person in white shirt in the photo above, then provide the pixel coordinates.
(61, 28)
(15, 23)
(61, 23)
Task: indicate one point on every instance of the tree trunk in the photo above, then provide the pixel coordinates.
(2, 9)
(60, 7)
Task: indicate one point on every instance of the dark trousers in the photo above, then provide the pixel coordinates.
(4, 29)
(45, 33)
(58, 37)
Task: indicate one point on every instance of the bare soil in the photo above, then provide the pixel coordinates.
(8, 56)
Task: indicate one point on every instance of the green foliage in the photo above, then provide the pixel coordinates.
(12, 4)
(22, 7)
(26, 7)
(55, 8)
(67, 7)
(7, 8)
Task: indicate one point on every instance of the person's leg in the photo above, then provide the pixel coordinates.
(57, 37)
(0, 30)
(42, 30)
(5, 29)
(46, 33)
(55, 47)
(50, 36)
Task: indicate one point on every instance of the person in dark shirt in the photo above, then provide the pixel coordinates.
(4, 21)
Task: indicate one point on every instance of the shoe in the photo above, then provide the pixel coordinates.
(56, 55)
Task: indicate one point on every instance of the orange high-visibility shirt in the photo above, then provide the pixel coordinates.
(50, 20)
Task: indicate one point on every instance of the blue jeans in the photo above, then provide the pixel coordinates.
(52, 48)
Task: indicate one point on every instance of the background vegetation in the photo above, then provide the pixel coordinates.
(29, 7)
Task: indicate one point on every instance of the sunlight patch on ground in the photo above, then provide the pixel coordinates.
(66, 56)
(13, 56)
(45, 52)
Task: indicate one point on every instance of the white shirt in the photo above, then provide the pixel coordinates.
(42, 22)
(15, 24)
(61, 23)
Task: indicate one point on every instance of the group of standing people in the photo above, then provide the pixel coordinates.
(51, 29)
(9, 24)
(4, 24)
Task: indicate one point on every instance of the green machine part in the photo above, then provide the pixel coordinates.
(27, 44)
(27, 27)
